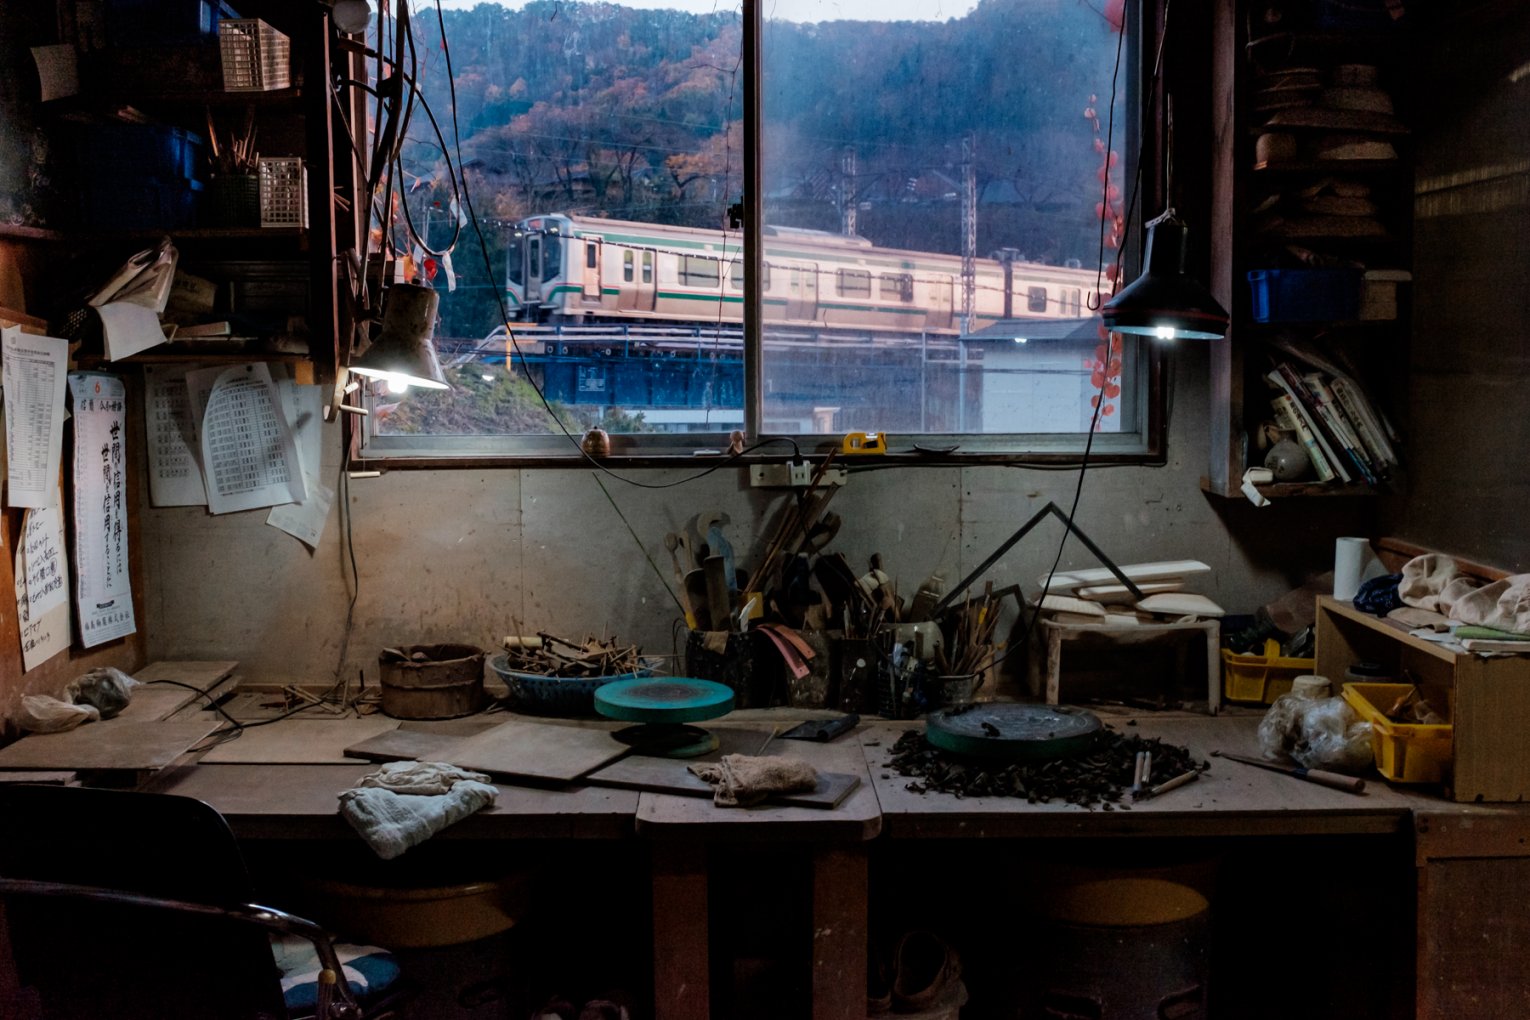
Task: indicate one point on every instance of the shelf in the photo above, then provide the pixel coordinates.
(9, 232)
(1330, 166)
(1297, 490)
(272, 97)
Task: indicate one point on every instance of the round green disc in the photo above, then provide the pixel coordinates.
(1009, 729)
(666, 699)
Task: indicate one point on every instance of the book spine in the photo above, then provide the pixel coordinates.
(1338, 424)
(1288, 382)
(1287, 418)
(1371, 433)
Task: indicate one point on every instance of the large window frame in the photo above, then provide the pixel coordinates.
(1144, 387)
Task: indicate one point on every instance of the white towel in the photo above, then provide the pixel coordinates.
(392, 822)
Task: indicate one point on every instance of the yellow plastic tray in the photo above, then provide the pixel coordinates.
(1260, 678)
(1404, 752)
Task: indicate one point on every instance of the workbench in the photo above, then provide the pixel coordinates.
(1380, 845)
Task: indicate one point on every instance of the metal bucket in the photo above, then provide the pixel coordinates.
(446, 683)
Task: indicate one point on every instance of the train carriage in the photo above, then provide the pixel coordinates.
(582, 269)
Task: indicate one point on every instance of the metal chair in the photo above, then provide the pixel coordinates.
(133, 905)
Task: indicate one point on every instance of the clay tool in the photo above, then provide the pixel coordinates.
(1348, 784)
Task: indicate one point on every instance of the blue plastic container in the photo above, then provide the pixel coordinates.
(155, 22)
(1305, 295)
(1373, 15)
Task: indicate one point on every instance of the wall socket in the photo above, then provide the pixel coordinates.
(796, 475)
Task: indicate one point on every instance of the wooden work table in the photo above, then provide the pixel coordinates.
(1472, 860)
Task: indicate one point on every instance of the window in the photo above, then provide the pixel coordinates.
(897, 286)
(854, 283)
(699, 271)
(930, 234)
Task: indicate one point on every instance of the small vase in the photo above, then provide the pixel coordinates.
(1287, 459)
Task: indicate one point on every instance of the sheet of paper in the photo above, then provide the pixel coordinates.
(248, 456)
(42, 586)
(129, 328)
(304, 520)
(57, 70)
(35, 372)
(175, 473)
(103, 589)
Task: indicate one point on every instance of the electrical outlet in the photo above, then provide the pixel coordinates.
(799, 472)
(793, 476)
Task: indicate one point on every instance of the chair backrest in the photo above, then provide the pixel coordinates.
(110, 960)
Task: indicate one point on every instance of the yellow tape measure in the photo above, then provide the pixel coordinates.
(857, 443)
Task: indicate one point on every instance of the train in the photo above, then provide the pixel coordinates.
(584, 270)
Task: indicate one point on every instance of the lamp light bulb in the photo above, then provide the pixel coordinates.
(397, 384)
(1164, 332)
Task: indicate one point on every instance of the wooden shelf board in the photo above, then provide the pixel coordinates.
(1302, 490)
(9, 232)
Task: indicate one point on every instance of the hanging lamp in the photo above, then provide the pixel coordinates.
(1166, 302)
(404, 354)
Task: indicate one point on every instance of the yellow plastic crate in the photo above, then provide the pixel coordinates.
(1260, 678)
(1404, 752)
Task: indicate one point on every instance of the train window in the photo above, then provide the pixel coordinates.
(515, 261)
(1036, 299)
(1075, 302)
(590, 253)
(648, 267)
(854, 283)
(699, 271)
(897, 286)
(552, 257)
(627, 261)
(736, 274)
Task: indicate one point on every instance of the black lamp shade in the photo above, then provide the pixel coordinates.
(403, 351)
(1165, 301)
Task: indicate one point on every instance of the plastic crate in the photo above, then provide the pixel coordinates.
(256, 57)
(1357, 14)
(1404, 752)
(283, 192)
(108, 153)
(1304, 295)
(142, 203)
(1260, 679)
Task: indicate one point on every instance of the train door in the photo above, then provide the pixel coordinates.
(592, 253)
(938, 315)
(802, 292)
(647, 281)
(534, 270)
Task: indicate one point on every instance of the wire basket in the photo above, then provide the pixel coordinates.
(540, 694)
(283, 192)
(256, 57)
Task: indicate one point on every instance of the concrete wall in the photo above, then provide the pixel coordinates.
(1467, 486)
(471, 555)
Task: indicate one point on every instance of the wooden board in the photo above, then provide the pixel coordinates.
(422, 739)
(405, 745)
(671, 775)
(1138, 572)
(298, 741)
(521, 749)
(201, 674)
(110, 744)
(149, 704)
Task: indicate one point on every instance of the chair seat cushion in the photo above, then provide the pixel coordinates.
(369, 971)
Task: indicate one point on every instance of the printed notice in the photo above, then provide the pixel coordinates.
(42, 586)
(175, 474)
(249, 459)
(103, 589)
(304, 520)
(35, 370)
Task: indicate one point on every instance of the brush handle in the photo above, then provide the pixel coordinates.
(1333, 779)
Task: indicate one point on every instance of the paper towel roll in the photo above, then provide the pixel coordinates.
(1352, 563)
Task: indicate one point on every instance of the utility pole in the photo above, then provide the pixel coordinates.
(969, 229)
(847, 198)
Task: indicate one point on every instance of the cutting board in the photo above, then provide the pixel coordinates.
(671, 775)
(521, 749)
(298, 741)
(109, 744)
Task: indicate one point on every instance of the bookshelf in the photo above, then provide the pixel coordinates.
(1304, 182)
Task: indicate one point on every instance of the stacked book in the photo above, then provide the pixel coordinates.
(1346, 439)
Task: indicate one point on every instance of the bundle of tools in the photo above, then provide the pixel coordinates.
(544, 654)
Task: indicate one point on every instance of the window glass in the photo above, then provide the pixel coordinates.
(854, 283)
(957, 154)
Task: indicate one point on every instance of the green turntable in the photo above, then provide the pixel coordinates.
(662, 707)
(1012, 731)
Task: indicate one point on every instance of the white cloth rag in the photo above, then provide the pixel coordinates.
(434, 795)
(1503, 605)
